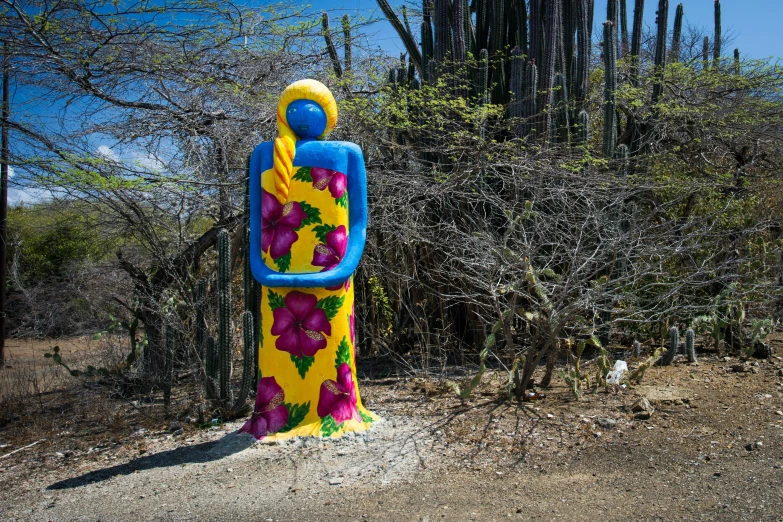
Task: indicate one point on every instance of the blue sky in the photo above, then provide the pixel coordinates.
(756, 24)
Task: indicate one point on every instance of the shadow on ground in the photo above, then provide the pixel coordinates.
(196, 454)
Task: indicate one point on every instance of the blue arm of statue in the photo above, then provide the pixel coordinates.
(340, 156)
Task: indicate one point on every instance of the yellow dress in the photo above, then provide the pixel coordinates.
(307, 383)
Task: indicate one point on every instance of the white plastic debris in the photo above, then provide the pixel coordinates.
(616, 375)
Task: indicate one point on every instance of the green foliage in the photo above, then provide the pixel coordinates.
(331, 305)
(91, 371)
(321, 231)
(343, 353)
(283, 263)
(302, 364)
(329, 427)
(303, 174)
(275, 300)
(313, 214)
(48, 239)
(296, 414)
(464, 390)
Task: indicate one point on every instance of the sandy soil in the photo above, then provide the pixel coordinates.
(712, 450)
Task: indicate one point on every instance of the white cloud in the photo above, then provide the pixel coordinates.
(106, 153)
(18, 196)
(10, 171)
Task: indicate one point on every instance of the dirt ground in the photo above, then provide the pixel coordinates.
(711, 450)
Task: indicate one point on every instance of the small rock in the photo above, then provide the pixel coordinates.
(335, 481)
(716, 474)
(780, 373)
(606, 422)
(739, 368)
(643, 415)
(762, 350)
(642, 404)
(751, 446)
(779, 412)
(175, 426)
(754, 370)
(178, 432)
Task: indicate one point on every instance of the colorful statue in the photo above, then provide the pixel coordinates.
(308, 219)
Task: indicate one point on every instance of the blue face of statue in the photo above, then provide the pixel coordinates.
(306, 118)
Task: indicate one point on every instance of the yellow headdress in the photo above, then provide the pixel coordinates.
(285, 143)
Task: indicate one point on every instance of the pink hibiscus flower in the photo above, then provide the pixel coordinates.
(278, 224)
(336, 181)
(330, 254)
(338, 398)
(300, 325)
(269, 414)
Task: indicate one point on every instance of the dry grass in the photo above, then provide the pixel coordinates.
(39, 398)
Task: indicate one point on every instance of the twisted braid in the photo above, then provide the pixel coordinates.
(285, 143)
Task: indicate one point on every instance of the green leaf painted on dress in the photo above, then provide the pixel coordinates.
(296, 414)
(365, 417)
(321, 231)
(283, 263)
(303, 174)
(313, 215)
(342, 200)
(329, 427)
(331, 305)
(275, 300)
(343, 353)
(302, 364)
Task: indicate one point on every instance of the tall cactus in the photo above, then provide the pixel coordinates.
(531, 81)
(717, 38)
(622, 157)
(677, 34)
(636, 41)
(522, 32)
(624, 27)
(583, 45)
(201, 299)
(674, 343)
(442, 31)
(547, 72)
(660, 48)
(517, 73)
(252, 289)
(460, 46)
(211, 367)
(610, 88)
(560, 100)
(583, 127)
(482, 86)
(249, 355)
(427, 44)
(536, 31)
(325, 31)
(168, 364)
(407, 38)
(225, 348)
(690, 349)
(497, 42)
(347, 44)
(705, 53)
